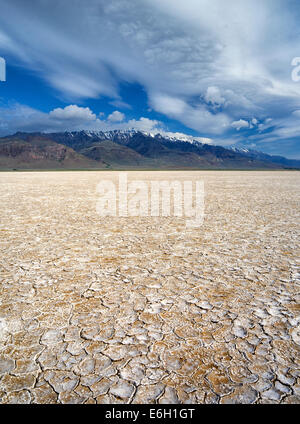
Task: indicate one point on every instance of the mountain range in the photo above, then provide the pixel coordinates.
(128, 149)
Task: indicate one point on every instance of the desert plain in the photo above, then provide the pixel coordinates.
(144, 309)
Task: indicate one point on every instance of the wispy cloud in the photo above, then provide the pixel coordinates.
(204, 63)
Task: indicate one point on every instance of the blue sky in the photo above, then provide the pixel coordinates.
(209, 68)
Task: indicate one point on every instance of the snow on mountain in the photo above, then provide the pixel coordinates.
(125, 135)
(239, 149)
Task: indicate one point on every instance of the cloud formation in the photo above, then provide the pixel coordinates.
(74, 112)
(208, 64)
(197, 117)
(240, 124)
(71, 118)
(116, 116)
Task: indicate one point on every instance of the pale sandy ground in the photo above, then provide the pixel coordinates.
(144, 310)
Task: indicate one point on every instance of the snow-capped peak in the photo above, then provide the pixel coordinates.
(125, 135)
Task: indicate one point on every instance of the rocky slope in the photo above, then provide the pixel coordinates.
(36, 152)
(126, 149)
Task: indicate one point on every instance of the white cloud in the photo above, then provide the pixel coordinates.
(282, 129)
(120, 104)
(296, 113)
(73, 112)
(213, 96)
(145, 124)
(240, 124)
(71, 118)
(197, 117)
(274, 136)
(116, 116)
(168, 105)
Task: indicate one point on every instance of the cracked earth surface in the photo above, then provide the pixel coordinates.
(145, 310)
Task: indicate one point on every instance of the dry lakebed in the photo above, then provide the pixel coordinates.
(137, 310)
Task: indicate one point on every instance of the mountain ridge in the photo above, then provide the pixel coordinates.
(128, 149)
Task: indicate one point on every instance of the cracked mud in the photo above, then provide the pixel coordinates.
(145, 310)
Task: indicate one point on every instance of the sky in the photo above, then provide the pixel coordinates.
(226, 71)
